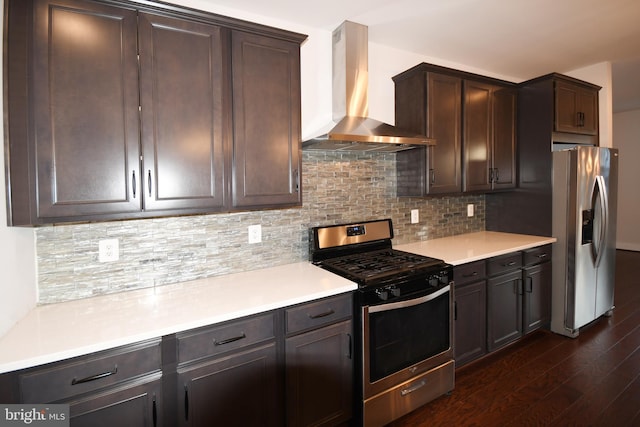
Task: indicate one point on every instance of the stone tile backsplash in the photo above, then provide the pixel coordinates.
(337, 187)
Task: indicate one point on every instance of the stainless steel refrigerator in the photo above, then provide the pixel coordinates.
(584, 222)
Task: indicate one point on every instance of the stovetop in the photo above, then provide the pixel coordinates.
(362, 252)
(368, 265)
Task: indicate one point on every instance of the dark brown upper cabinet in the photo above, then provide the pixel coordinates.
(472, 119)
(266, 121)
(118, 112)
(430, 103)
(181, 98)
(576, 108)
(489, 127)
(529, 210)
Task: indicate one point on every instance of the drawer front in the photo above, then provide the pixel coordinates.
(214, 340)
(318, 313)
(537, 255)
(504, 263)
(468, 273)
(88, 373)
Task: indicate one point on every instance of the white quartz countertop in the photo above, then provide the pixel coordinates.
(55, 332)
(464, 248)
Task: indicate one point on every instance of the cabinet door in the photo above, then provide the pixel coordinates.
(477, 136)
(576, 109)
(85, 107)
(504, 309)
(240, 389)
(319, 370)
(444, 118)
(470, 322)
(504, 139)
(181, 70)
(266, 121)
(130, 406)
(537, 296)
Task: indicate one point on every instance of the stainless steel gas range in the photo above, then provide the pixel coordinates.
(403, 316)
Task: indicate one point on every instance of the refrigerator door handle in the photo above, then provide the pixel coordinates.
(604, 221)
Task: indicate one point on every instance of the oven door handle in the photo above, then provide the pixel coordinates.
(410, 302)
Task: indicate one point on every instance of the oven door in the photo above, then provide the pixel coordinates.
(402, 339)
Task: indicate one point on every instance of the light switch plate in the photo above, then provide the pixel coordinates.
(470, 210)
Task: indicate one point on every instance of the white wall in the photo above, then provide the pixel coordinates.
(17, 260)
(626, 138)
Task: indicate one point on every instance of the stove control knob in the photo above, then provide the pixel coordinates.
(444, 278)
(433, 281)
(383, 294)
(395, 291)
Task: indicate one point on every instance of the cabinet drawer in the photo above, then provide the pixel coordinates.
(468, 273)
(318, 313)
(504, 263)
(210, 341)
(537, 255)
(89, 373)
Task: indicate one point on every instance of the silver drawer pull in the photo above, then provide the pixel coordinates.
(95, 377)
(542, 256)
(509, 264)
(325, 314)
(229, 340)
(411, 389)
(475, 273)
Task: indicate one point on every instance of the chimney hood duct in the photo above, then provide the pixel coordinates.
(352, 130)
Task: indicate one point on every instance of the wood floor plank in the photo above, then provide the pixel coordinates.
(624, 408)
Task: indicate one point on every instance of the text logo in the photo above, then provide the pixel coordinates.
(34, 415)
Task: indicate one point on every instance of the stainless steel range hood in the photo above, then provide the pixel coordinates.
(352, 129)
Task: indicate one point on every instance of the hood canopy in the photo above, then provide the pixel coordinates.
(353, 130)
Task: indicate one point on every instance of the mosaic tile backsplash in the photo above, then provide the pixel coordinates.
(337, 187)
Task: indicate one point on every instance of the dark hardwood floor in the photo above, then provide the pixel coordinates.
(550, 380)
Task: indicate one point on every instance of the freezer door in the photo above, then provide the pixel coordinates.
(605, 203)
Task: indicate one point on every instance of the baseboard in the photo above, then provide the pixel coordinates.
(626, 246)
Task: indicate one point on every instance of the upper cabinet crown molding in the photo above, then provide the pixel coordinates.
(119, 110)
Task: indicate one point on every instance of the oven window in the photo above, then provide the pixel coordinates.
(402, 337)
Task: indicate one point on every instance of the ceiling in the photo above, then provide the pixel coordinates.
(521, 39)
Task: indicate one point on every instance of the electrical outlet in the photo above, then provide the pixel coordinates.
(108, 250)
(415, 216)
(255, 233)
(470, 210)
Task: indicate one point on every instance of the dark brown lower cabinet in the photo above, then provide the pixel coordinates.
(470, 322)
(319, 372)
(504, 309)
(122, 386)
(137, 405)
(470, 312)
(537, 296)
(292, 366)
(500, 299)
(236, 390)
